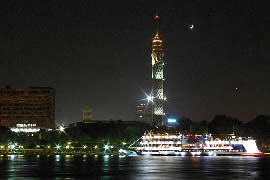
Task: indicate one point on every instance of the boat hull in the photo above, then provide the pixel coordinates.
(200, 154)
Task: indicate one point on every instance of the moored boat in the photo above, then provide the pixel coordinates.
(196, 145)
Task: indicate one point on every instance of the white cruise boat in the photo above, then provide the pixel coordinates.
(195, 145)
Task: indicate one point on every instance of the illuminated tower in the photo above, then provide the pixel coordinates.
(158, 96)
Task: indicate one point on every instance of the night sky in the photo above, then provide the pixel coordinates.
(98, 53)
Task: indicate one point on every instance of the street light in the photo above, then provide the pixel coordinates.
(61, 129)
(12, 146)
(106, 147)
(58, 146)
(149, 98)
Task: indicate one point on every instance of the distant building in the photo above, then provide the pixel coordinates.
(144, 113)
(27, 108)
(86, 114)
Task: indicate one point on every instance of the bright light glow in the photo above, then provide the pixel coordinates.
(171, 120)
(58, 146)
(84, 146)
(122, 151)
(12, 146)
(106, 147)
(111, 146)
(26, 125)
(26, 130)
(95, 147)
(150, 98)
(61, 129)
(124, 143)
(250, 146)
(67, 146)
(211, 154)
(195, 153)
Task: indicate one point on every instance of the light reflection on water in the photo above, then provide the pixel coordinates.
(140, 167)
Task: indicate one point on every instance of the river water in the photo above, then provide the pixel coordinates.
(136, 167)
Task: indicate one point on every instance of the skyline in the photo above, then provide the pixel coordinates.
(101, 56)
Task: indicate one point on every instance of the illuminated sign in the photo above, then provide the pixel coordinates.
(172, 121)
(25, 125)
(26, 130)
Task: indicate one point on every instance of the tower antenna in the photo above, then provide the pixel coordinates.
(156, 18)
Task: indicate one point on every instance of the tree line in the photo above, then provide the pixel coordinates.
(116, 133)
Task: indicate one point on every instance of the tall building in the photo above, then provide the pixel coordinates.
(158, 96)
(144, 113)
(27, 108)
(86, 114)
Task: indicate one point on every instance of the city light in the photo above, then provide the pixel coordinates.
(106, 147)
(58, 146)
(26, 130)
(96, 147)
(84, 146)
(149, 98)
(172, 121)
(61, 129)
(122, 151)
(12, 146)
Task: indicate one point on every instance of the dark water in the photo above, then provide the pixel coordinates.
(139, 167)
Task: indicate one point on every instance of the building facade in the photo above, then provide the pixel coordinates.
(86, 114)
(144, 113)
(25, 108)
(158, 64)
